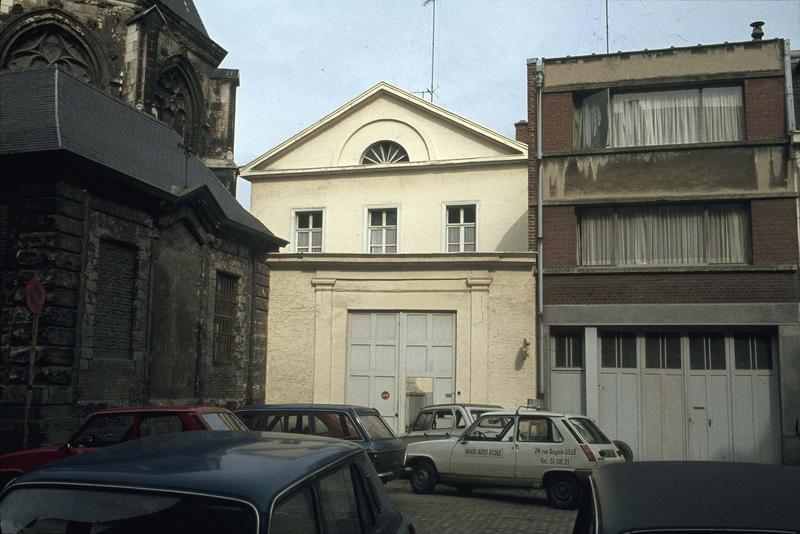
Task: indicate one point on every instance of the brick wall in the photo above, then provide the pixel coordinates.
(671, 288)
(560, 227)
(533, 168)
(557, 121)
(774, 231)
(764, 106)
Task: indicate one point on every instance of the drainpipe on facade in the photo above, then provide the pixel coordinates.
(539, 257)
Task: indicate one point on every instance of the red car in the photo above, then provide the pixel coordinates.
(115, 425)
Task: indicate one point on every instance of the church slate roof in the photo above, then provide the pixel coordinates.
(48, 110)
(186, 10)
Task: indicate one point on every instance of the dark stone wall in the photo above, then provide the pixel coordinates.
(164, 266)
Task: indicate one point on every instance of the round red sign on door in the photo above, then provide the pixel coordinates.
(385, 395)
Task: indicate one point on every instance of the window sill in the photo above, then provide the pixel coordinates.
(664, 148)
(650, 269)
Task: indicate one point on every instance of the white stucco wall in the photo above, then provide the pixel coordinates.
(419, 194)
(310, 298)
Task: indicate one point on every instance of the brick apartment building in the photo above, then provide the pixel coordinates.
(670, 247)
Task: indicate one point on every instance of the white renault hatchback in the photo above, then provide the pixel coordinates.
(524, 449)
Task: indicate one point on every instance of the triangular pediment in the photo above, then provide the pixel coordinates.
(427, 132)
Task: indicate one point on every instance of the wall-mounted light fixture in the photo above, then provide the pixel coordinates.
(525, 345)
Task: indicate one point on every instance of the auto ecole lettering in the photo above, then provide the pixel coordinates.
(489, 453)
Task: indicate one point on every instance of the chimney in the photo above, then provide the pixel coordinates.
(522, 131)
(758, 31)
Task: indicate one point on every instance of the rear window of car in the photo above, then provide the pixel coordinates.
(589, 431)
(66, 510)
(223, 421)
(375, 426)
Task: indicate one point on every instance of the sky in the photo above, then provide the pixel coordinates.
(299, 60)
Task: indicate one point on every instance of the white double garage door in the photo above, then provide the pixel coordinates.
(394, 358)
(696, 408)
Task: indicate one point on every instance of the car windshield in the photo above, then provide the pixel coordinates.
(67, 510)
(104, 430)
(589, 431)
(223, 421)
(375, 426)
(490, 428)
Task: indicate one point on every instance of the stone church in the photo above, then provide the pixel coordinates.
(116, 150)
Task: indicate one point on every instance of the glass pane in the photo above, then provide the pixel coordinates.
(608, 351)
(453, 235)
(652, 351)
(443, 420)
(338, 502)
(376, 249)
(302, 240)
(52, 510)
(316, 219)
(741, 352)
(577, 350)
(295, 515)
(453, 215)
(302, 220)
(561, 351)
(717, 351)
(375, 217)
(469, 214)
(391, 217)
(469, 247)
(453, 248)
(763, 350)
(391, 236)
(104, 430)
(376, 427)
(391, 249)
(469, 234)
(672, 344)
(628, 342)
(697, 358)
(376, 237)
(316, 239)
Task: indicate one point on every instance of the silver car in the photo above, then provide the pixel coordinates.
(439, 421)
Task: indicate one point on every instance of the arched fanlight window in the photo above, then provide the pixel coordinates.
(384, 152)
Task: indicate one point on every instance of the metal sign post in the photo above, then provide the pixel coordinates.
(35, 295)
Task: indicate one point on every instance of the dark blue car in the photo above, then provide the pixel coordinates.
(205, 482)
(358, 424)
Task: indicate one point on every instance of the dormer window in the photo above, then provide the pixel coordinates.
(384, 152)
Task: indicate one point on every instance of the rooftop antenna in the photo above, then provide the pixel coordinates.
(431, 90)
(607, 45)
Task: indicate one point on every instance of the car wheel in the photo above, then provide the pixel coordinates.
(423, 477)
(564, 491)
(625, 449)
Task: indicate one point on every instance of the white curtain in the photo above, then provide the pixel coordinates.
(597, 236)
(591, 129)
(722, 114)
(728, 234)
(688, 234)
(656, 118)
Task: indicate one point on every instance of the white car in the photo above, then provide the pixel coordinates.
(523, 448)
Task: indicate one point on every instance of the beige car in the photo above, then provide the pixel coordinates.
(522, 449)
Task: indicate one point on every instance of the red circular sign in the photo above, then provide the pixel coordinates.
(35, 295)
(385, 395)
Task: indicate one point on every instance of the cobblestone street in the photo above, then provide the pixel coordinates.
(481, 511)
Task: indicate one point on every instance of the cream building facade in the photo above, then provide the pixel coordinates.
(407, 279)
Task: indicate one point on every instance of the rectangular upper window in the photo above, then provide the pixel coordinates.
(461, 228)
(675, 117)
(568, 350)
(224, 317)
(382, 230)
(308, 229)
(679, 234)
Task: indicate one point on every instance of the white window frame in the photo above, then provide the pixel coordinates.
(294, 212)
(366, 226)
(449, 204)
